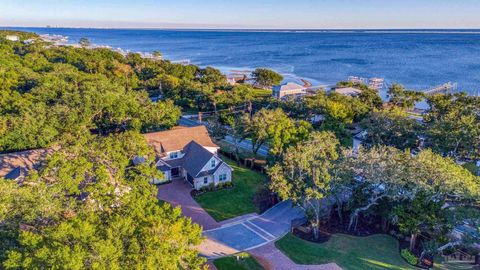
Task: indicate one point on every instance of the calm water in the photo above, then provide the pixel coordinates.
(418, 59)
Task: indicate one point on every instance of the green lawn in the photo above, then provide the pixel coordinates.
(229, 203)
(245, 262)
(349, 252)
(453, 266)
(259, 93)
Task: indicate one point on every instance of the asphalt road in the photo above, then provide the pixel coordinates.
(247, 145)
(244, 144)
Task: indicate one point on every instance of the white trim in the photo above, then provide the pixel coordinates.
(263, 244)
(264, 238)
(260, 229)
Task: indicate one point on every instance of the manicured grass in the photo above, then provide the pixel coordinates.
(452, 266)
(257, 92)
(229, 203)
(245, 262)
(349, 252)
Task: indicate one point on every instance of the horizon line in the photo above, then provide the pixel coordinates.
(242, 28)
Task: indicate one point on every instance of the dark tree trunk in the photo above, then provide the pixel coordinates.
(413, 241)
(384, 224)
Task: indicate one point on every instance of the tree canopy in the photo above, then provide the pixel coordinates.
(388, 174)
(275, 128)
(305, 174)
(266, 78)
(403, 98)
(453, 125)
(393, 128)
(90, 208)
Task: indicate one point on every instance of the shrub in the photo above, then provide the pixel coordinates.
(263, 199)
(211, 187)
(409, 257)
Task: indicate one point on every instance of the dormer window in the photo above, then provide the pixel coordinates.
(173, 155)
(213, 163)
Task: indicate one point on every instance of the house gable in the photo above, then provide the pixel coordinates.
(221, 174)
(224, 170)
(211, 164)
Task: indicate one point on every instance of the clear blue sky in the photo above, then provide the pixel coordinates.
(243, 13)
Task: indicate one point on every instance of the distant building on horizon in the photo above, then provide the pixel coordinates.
(348, 91)
(287, 89)
(235, 79)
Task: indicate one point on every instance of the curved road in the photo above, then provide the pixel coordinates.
(250, 233)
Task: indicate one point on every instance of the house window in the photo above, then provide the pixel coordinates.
(213, 163)
(222, 177)
(205, 180)
(173, 155)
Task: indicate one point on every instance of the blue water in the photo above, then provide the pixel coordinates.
(417, 58)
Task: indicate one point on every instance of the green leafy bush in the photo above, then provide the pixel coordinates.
(409, 257)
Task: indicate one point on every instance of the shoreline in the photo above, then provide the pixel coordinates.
(231, 70)
(61, 40)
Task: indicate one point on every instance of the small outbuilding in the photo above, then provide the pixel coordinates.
(288, 89)
(348, 91)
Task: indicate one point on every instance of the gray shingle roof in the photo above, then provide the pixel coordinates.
(210, 172)
(164, 166)
(14, 174)
(196, 156)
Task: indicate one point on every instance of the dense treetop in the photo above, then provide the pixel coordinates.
(48, 91)
(88, 207)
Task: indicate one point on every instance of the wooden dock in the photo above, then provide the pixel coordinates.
(441, 89)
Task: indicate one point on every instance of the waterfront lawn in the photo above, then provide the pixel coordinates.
(261, 93)
(245, 262)
(229, 203)
(349, 252)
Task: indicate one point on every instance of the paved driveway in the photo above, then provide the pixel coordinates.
(250, 233)
(177, 193)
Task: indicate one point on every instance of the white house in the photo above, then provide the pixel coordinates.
(12, 38)
(348, 91)
(288, 89)
(235, 79)
(188, 153)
